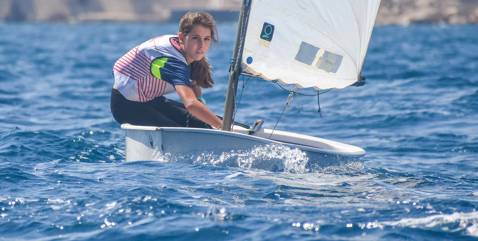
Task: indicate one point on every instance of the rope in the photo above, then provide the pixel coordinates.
(240, 97)
(289, 100)
(319, 109)
(318, 104)
(292, 93)
(300, 93)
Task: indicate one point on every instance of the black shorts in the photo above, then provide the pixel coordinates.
(160, 112)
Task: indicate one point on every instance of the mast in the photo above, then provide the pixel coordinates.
(235, 67)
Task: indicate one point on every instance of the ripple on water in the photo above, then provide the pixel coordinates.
(62, 174)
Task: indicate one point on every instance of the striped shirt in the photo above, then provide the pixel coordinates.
(151, 69)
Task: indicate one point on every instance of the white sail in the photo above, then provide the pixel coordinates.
(309, 43)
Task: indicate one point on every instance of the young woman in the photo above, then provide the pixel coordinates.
(162, 65)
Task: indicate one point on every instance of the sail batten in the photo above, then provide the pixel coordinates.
(309, 43)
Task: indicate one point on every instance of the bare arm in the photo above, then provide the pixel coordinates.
(197, 89)
(196, 108)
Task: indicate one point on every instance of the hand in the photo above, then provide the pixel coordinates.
(217, 127)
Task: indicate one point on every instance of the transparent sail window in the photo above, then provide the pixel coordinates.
(329, 62)
(307, 53)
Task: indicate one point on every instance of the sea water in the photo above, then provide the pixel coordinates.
(63, 174)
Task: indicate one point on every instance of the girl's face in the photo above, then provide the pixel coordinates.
(196, 43)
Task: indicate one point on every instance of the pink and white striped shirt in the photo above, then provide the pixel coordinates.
(135, 77)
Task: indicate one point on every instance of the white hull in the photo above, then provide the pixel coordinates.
(154, 143)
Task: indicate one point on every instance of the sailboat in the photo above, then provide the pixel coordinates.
(302, 43)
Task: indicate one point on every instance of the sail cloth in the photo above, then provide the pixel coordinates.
(308, 43)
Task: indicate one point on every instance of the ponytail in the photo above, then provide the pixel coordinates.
(201, 73)
(200, 70)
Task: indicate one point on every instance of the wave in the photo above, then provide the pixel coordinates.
(271, 157)
(454, 222)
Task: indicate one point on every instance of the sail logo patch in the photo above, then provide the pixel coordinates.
(267, 32)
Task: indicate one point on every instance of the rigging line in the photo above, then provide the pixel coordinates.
(303, 94)
(299, 93)
(244, 83)
(318, 104)
(289, 100)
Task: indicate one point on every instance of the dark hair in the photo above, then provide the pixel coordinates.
(191, 19)
(200, 70)
(201, 73)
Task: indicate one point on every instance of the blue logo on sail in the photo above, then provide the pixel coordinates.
(267, 32)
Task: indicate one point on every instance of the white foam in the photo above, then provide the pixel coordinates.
(467, 222)
(266, 157)
(313, 181)
(217, 213)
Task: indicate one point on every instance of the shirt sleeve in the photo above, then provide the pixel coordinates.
(171, 70)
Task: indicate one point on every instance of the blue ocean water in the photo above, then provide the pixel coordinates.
(63, 175)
